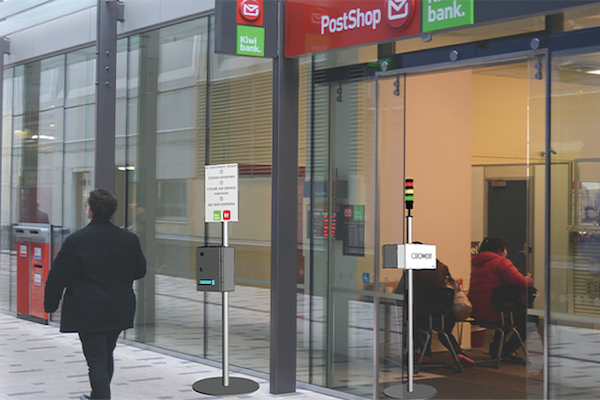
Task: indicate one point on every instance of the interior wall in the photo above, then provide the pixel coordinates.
(438, 157)
(499, 120)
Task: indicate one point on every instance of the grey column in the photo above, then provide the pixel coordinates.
(284, 214)
(106, 65)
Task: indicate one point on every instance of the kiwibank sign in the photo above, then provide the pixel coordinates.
(444, 14)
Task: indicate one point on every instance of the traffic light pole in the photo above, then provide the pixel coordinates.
(410, 390)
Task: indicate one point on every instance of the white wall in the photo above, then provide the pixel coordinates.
(37, 27)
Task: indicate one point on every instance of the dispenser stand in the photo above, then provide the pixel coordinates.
(225, 386)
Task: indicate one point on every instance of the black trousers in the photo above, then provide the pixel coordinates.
(98, 350)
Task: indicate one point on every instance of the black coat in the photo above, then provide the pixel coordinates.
(97, 265)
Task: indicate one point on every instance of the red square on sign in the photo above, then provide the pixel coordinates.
(226, 215)
(250, 12)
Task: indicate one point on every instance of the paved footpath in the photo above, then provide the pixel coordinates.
(39, 362)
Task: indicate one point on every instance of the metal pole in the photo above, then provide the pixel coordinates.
(410, 311)
(106, 77)
(225, 318)
(225, 338)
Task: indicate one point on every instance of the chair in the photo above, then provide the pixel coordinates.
(504, 301)
(434, 305)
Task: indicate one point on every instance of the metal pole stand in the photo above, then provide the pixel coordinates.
(225, 386)
(410, 390)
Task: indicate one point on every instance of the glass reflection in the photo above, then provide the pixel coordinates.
(574, 273)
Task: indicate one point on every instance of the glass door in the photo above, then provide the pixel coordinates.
(473, 140)
(339, 202)
(574, 270)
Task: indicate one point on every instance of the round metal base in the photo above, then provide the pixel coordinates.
(420, 392)
(214, 386)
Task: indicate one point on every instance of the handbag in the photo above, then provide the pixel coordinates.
(461, 307)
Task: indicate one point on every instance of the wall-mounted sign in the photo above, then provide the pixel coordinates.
(250, 40)
(318, 25)
(250, 12)
(221, 193)
(354, 230)
(443, 14)
(246, 27)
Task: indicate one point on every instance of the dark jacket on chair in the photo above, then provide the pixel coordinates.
(97, 265)
(491, 270)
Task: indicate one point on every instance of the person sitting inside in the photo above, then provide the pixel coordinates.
(490, 270)
(432, 278)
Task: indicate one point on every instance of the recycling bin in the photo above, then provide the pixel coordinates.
(33, 264)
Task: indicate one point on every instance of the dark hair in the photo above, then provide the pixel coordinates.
(102, 203)
(495, 245)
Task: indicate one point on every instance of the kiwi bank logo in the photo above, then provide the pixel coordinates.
(398, 13)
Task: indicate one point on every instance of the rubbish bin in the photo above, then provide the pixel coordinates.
(33, 264)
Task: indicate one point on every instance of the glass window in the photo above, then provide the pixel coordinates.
(172, 199)
(81, 71)
(52, 82)
(166, 152)
(336, 255)
(575, 225)
(7, 280)
(79, 134)
(38, 135)
(582, 17)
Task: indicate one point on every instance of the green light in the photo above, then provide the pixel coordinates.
(206, 282)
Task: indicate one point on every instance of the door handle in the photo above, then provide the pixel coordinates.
(524, 251)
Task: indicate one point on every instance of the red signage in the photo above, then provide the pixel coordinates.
(250, 12)
(318, 25)
(226, 215)
(348, 212)
(398, 13)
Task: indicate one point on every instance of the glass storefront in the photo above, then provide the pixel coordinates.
(179, 107)
(574, 227)
(473, 138)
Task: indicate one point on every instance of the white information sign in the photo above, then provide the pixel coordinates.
(221, 193)
(416, 256)
(409, 256)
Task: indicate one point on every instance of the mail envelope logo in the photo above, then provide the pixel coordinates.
(399, 12)
(250, 10)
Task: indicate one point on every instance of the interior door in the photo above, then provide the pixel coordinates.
(507, 218)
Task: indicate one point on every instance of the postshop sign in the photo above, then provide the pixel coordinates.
(319, 25)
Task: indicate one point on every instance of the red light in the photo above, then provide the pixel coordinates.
(326, 231)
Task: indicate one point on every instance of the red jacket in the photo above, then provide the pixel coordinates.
(489, 271)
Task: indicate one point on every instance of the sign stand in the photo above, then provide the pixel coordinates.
(225, 386)
(410, 390)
